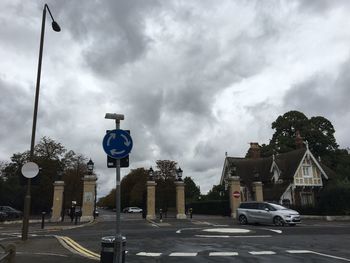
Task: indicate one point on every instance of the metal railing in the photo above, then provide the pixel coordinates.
(9, 255)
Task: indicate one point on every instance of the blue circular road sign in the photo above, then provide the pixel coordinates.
(117, 144)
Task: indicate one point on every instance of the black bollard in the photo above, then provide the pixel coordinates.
(76, 218)
(161, 215)
(191, 212)
(42, 220)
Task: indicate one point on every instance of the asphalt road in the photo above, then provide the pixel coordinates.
(202, 239)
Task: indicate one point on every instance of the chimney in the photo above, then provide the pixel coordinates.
(254, 150)
(298, 140)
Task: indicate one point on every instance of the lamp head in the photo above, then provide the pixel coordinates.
(55, 26)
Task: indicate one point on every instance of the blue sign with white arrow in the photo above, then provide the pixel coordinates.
(117, 144)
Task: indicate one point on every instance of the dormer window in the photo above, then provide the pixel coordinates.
(307, 171)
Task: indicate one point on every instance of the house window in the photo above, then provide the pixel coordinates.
(307, 171)
(307, 199)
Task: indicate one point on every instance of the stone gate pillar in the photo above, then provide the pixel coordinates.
(57, 201)
(235, 186)
(151, 200)
(88, 198)
(180, 200)
(258, 191)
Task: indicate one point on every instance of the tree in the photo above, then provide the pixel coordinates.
(218, 192)
(54, 165)
(192, 191)
(166, 169)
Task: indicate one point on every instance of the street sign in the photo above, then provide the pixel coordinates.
(30, 170)
(236, 194)
(117, 144)
(112, 163)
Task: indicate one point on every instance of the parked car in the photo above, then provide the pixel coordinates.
(2, 216)
(132, 210)
(266, 213)
(10, 212)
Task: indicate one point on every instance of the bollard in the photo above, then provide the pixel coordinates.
(161, 215)
(76, 218)
(43, 219)
(191, 212)
(107, 249)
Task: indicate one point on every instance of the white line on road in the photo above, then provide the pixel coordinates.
(222, 254)
(232, 236)
(147, 254)
(262, 253)
(183, 254)
(273, 230)
(316, 253)
(190, 228)
(298, 251)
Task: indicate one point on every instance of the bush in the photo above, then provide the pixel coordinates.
(212, 207)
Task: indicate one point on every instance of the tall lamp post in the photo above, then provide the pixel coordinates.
(90, 166)
(27, 198)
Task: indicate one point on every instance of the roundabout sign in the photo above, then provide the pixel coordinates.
(117, 143)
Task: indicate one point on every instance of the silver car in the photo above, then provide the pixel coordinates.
(266, 213)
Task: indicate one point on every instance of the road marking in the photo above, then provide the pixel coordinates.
(224, 236)
(298, 251)
(273, 230)
(200, 223)
(74, 247)
(227, 230)
(43, 254)
(222, 254)
(155, 225)
(262, 253)
(183, 254)
(220, 225)
(316, 253)
(147, 254)
(190, 228)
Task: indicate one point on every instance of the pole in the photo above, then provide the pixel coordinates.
(27, 198)
(118, 238)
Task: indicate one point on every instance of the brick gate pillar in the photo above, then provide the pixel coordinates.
(88, 198)
(57, 201)
(235, 186)
(151, 200)
(180, 200)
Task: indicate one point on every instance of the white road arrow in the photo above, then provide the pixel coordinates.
(114, 152)
(111, 136)
(127, 142)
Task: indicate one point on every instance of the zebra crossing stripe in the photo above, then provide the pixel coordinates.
(183, 254)
(222, 254)
(262, 253)
(298, 251)
(147, 254)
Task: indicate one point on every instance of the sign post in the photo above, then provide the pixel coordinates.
(117, 144)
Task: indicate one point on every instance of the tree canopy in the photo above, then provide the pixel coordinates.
(55, 163)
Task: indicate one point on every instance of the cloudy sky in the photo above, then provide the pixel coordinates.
(194, 79)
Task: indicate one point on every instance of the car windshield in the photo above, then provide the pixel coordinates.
(278, 207)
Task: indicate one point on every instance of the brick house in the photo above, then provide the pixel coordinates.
(292, 178)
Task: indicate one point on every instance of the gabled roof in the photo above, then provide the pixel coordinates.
(247, 168)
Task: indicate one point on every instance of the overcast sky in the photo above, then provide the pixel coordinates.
(194, 79)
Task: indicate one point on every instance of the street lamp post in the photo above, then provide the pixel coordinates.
(118, 237)
(90, 166)
(179, 174)
(27, 198)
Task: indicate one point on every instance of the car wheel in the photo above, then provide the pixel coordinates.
(278, 221)
(243, 220)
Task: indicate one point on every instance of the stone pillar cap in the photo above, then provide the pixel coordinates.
(89, 178)
(58, 183)
(150, 183)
